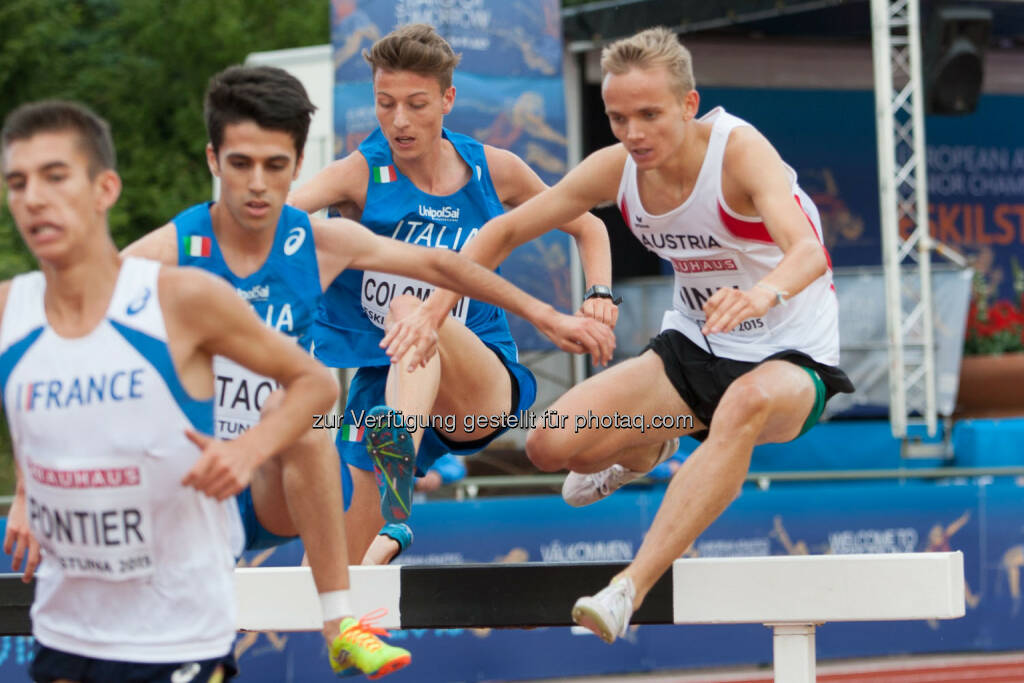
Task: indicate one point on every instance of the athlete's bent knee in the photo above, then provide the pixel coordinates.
(547, 449)
(745, 400)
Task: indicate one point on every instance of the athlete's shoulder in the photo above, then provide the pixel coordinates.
(332, 235)
(613, 156)
(503, 161)
(513, 179)
(185, 286)
(598, 176)
(353, 162)
(5, 290)
(159, 245)
(749, 155)
(744, 136)
(342, 181)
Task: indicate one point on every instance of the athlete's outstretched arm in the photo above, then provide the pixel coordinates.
(159, 245)
(340, 182)
(344, 243)
(205, 311)
(753, 171)
(593, 181)
(516, 183)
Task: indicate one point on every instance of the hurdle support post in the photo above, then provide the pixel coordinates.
(793, 652)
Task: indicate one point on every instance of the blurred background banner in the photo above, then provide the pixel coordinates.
(509, 94)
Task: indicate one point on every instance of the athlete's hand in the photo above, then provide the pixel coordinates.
(577, 334)
(20, 539)
(601, 309)
(429, 482)
(728, 307)
(223, 468)
(415, 335)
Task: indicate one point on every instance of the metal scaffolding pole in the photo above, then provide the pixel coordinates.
(903, 198)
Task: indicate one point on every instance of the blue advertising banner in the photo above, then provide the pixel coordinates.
(508, 94)
(983, 521)
(975, 171)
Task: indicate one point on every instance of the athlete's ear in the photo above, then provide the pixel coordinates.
(691, 104)
(447, 100)
(298, 165)
(108, 184)
(211, 160)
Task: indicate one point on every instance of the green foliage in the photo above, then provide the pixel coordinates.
(143, 65)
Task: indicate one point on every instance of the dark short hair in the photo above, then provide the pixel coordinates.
(270, 97)
(50, 116)
(417, 48)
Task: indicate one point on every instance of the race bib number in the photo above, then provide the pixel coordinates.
(239, 395)
(379, 289)
(95, 522)
(690, 298)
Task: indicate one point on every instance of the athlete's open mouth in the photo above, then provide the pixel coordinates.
(42, 228)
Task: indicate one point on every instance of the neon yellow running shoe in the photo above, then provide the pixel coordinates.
(358, 646)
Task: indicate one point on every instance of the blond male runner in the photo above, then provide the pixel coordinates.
(750, 346)
(106, 367)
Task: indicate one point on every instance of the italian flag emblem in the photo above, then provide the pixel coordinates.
(384, 174)
(351, 433)
(197, 245)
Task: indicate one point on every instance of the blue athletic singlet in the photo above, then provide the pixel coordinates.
(285, 292)
(349, 323)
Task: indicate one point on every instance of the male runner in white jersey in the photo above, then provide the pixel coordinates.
(106, 371)
(257, 120)
(747, 354)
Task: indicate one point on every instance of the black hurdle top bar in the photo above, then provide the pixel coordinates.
(454, 596)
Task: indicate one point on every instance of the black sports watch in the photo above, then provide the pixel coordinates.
(602, 292)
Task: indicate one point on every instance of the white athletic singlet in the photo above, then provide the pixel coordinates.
(710, 247)
(136, 567)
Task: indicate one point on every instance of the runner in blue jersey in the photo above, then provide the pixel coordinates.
(416, 182)
(280, 261)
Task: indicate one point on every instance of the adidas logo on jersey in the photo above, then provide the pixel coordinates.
(256, 293)
(445, 213)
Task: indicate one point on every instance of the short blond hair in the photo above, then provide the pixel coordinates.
(417, 48)
(650, 48)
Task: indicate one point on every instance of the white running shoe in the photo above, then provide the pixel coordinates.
(583, 489)
(607, 613)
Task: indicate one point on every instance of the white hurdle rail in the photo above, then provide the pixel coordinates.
(789, 594)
